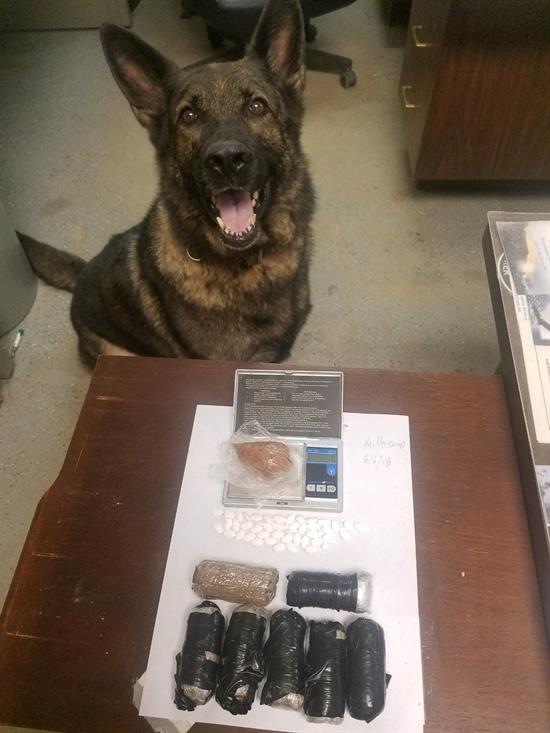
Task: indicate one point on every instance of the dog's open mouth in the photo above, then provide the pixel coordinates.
(236, 212)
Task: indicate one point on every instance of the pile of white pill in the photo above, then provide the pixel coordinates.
(285, 532)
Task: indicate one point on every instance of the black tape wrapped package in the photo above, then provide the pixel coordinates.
(325, 687)
(242, 667)
(197, 664)
(366, 676)
(340, 592)
(285, 661)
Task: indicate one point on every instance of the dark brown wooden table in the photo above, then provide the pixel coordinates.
(77, 623)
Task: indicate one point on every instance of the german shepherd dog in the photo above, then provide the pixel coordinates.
(218, 268)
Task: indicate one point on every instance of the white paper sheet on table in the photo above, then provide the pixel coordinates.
(378, 492)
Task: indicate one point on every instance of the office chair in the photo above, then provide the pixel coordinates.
(235, 20)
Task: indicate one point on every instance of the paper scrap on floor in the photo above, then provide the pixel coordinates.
(378, 493)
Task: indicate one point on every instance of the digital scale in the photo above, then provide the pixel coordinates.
(305, 408)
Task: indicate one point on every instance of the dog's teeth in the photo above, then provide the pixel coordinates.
(227, 230)
(256, 195)
(220, 222)
(252, 220)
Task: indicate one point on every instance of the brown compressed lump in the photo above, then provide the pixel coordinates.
(270, 458)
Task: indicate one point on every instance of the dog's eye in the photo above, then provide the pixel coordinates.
(258, 107)
(189, 116)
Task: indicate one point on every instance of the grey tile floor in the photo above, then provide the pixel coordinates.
(398, 278)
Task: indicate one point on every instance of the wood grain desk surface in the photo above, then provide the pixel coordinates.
(77, 623)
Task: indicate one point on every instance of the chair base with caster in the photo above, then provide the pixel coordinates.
(331, 63)
(216, 39)
(311, 33)
(188, 8)
(315, 61)
(226, 20)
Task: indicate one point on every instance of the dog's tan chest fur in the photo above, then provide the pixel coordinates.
(215, 284)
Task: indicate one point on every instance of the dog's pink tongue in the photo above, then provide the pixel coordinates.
(235, 209)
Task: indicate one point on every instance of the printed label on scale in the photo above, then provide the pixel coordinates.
(292, 404)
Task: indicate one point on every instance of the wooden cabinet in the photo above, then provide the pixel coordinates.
(475, 90)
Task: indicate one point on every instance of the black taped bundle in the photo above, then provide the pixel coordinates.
(329, 590)
(285, 661)
(366, 669)
(325, 688)
(242, 665)
(197, 664)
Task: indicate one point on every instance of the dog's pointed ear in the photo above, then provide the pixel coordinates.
(279, 42)
(140, 71)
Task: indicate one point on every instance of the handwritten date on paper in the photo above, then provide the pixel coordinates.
(381, 452)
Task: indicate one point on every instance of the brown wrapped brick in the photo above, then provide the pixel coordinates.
(227, 581)
(269, 458)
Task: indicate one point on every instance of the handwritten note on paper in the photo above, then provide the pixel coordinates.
(378, 494)
(382, 452)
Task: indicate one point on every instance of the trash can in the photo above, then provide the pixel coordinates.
(17, 292)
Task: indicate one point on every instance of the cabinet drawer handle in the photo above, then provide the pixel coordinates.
(417, 42)
(405, 88)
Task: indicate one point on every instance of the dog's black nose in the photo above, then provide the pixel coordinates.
(227, 158)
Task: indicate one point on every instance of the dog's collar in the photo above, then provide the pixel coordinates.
(195, 259)
(254, 259)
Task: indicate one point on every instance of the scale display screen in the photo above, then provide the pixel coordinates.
(321, 473)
